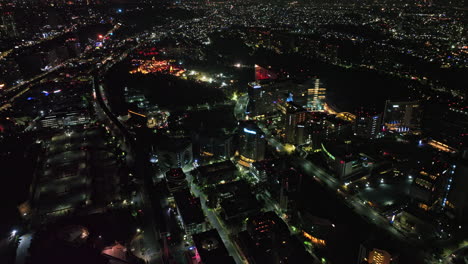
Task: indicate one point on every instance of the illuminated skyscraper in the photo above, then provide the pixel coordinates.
(403, 117)
(316, 97)
(251, 144)
(367, 125)
(255, 92)
(292, 116)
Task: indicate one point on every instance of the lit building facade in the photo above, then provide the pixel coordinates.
(252, 144)
(403, 117)
(293, 117)
(316, 97)
(378, 256)
(367, 125)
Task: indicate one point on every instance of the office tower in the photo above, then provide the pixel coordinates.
(190, 212)
(428, 184)
(210, 248)
(268, 240)
(210, 144)
(255, 92)
(316, 97)
(455, 199)
(291, 181)
(367, 124)
(251, 143)
(292, 116)
(174, 152)
(176, 180)
(403, 117)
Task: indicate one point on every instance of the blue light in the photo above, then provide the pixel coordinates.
(119, 10)
(191, 248)
(30, 98)
(250, 131)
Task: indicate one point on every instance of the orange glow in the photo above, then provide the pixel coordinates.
(424, 206)
(207, 154)
(346, 116)
(329, 110)
(135, 113)
(441, 146)
(156, 66)
(243, 163)
(313, 239)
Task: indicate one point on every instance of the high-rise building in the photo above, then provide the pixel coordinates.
(212, 145)
(428, 185)
(176, 180)
(292, 116)
(456, 197)
(374, 256)
(268, 240)
(367, 124)
(252, 143)
(174, 152)
(190, 211)
(210, 248)
(403, 117)
(255, 92)
(291, 181)
(316, 97)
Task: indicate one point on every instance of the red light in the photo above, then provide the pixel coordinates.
(100, 36)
